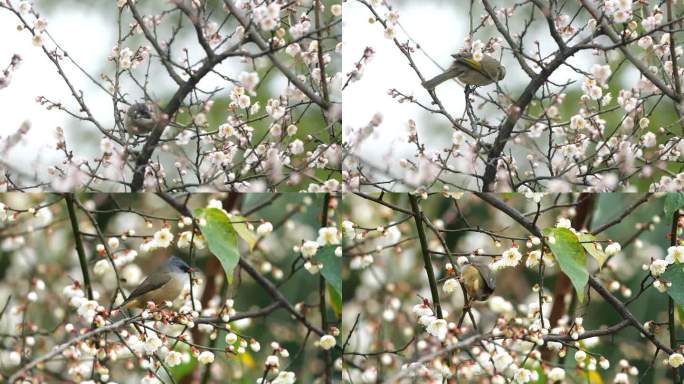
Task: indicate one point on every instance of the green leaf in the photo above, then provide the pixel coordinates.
(597, 253)
(243, 231)
(680, 315)
(221, 238)
(673, 202)
(571, 257)
(675, 275)
(332, 266)
(335, 300)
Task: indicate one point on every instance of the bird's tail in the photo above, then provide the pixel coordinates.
(439, 79)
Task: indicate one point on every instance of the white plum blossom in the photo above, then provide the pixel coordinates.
(152, 343)
(658, 267)
(522, 375)
(450, 285)
(327, 342)
(284, 377)
(206, 357)
(25, 7)
(502, 360)
(675, 360)
(88, 309)
(511, 257)
(173, 359)
(675, 253)
(557, 374)
(328, 235)
(563, 223)
(102, 267)
(163, 238)
(577, 122)
(231, 338)
(150, 378)
(296, 147)
(613, 249)
(422, 309)
(648, 140)
(186, 237)
(267, 16)
(601, 73)
(249, 80)
(348, 229)
(40, 24)
(264, 229)
(309, 249)
(438, 328)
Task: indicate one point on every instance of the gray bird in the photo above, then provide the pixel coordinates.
(164, 284)
(470, 72)
(139, 119)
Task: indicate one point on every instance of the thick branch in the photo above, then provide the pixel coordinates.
(79, 243)
(427, 261)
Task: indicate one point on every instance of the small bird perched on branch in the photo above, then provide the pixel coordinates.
(478, 279)
(140, 120)
(164, 284)
(469, 71)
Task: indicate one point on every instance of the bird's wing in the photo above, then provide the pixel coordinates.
(468, 61)
(488, 276)
(152, 282)
(485, 272)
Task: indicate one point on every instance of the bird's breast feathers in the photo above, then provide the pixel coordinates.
(172, 289)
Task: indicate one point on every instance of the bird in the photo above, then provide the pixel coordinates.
(164, 284)
(478, 279)
(469, 71)
(140, 120)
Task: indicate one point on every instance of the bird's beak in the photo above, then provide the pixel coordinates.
(191, 270)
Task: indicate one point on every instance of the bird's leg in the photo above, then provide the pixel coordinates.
(469, 107)
(466, 310)
(468, 305)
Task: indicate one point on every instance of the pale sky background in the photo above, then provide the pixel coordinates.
(88, 38)
(439, 27)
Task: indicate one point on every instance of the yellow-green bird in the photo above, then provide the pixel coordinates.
(164, 284)
(469, 71)
(478, 279)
